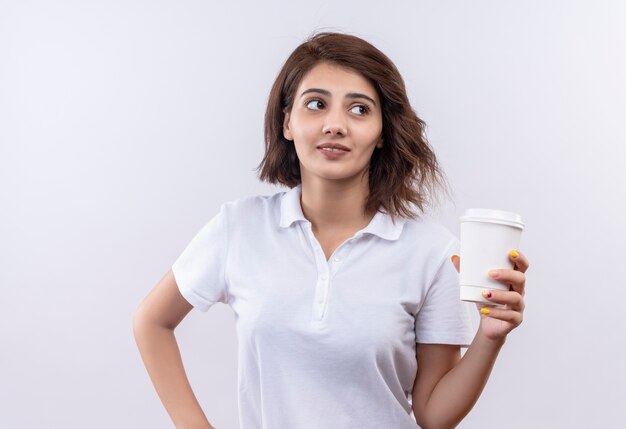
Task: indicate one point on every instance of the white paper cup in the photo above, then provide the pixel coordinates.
(487, 237)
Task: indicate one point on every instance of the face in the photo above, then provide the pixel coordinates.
(334, 105)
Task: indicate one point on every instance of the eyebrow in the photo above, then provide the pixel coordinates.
(349, 95)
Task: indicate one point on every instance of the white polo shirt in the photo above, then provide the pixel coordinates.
(325, 344)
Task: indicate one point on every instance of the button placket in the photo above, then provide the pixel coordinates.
(326, 271)
(322, 293)
(321, 298)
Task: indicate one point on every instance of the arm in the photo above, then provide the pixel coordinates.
(446, 385)
(153, 326)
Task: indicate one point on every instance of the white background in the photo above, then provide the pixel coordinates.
(125, 124)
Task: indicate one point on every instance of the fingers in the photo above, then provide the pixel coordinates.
(506, 315)
(519, 260)
(512, 299)
(515, 279)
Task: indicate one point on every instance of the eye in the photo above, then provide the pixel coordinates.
(365, 110)
(313, 102)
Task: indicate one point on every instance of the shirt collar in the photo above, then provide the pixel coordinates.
(380, 225)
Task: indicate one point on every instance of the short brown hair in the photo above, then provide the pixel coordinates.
(404, 171)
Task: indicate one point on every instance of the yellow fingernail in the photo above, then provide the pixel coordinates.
(513, 254)
(484, 311)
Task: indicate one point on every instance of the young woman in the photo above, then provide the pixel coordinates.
(346, 301)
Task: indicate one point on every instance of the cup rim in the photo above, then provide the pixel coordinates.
(493, 216)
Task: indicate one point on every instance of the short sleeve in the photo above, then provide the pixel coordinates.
(200, 269)
(444, 318)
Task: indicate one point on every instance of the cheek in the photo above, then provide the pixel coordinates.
(375, 129)
(304, 130)
(368, 136)
(308, 123)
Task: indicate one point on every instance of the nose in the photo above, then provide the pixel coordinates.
(335, 122)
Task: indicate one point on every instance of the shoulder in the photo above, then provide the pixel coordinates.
(432, 238)
(423, 228)
(252, 207)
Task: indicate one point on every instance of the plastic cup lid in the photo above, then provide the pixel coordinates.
(494, 216)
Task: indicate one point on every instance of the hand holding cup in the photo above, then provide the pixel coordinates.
(491, 269)
(504, 310)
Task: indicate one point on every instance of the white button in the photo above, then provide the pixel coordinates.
(337, 258)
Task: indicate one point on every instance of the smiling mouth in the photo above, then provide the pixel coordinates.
(330, 149)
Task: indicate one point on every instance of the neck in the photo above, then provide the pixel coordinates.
(335, 205)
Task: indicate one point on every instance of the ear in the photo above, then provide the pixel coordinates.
(286, 127)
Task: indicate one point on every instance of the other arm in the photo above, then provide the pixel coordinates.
(153, 326)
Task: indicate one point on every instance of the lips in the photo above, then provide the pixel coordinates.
(333, 146)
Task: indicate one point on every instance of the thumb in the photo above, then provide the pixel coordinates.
(456, 261)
